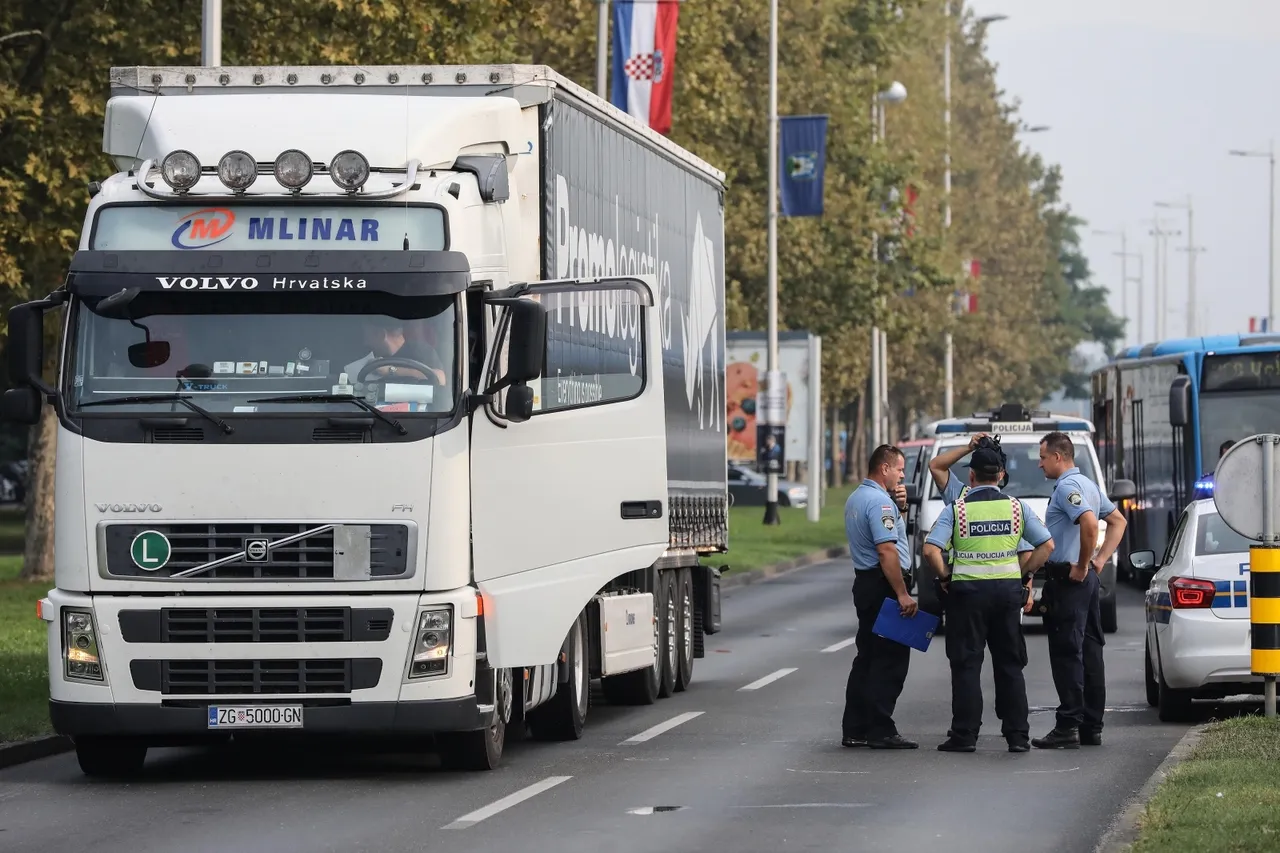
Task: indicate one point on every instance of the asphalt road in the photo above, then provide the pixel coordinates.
(748, 759)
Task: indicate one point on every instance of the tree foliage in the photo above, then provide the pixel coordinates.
(1036, 303)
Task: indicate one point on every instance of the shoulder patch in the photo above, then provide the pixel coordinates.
(888, 521)
(1075, 498)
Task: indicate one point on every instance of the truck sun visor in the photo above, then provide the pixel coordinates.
(98, 273)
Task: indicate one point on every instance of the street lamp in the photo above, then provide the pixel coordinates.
(1124, 272)
(1270, 154)
(1191, 249)
(1033, 128)
(895, 94)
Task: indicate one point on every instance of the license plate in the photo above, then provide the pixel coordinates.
(255, 717)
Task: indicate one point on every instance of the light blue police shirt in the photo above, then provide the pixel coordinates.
(871, 518)
(1073, 495)
(951, 494)
(1032, 528)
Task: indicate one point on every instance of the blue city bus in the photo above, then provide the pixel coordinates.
(1163, 409)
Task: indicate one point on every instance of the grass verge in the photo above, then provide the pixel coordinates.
(753, 545)
(24, 680)
(1224, 799)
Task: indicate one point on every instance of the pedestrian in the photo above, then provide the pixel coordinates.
(871, 520)
(985, 598)
(1071, 595)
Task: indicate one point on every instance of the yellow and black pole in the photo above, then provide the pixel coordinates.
(1264, 587)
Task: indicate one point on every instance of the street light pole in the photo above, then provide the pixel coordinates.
(1124, 273)
(1192, 250)
(211, 34)
(1270, 154)
(771, 487)
(602, 47)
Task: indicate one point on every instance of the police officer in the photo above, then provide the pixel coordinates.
(871, 520)
(1071, 594)
(985, 598)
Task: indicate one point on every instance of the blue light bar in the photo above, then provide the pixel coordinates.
(1204, 486)
(1011, 426)
(944, 428)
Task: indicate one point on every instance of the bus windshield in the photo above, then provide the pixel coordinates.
(1231, 416)
(1026, 480)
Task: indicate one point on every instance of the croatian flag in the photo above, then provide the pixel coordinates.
(644, 59)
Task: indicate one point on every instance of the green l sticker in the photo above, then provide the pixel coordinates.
(150, 550)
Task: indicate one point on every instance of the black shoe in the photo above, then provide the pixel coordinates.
(1058, 739)
(1019, 745)
(953, 744)
(853, 741)
(1091, 738)
(892, 742)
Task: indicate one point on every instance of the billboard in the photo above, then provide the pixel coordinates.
(746, 357)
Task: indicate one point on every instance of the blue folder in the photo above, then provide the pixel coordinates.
(915, 632)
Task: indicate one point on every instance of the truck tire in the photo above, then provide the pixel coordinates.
(1110, 621)
(669, 633)
(480, 750)
(563, 717)
(110, 758)
(684, 583)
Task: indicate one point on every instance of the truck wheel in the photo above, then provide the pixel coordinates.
(110, 758)
(669, 644)
(684, 674)
(480, 750)
(1110, 621)
(562, 718)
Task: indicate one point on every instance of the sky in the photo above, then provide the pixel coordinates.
(1143, 99)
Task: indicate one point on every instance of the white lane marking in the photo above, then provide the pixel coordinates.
(843, 644)
(840, 772)
(811, 806)
(768, 679)
(1065, 770)
(650, 734)
(472, 818)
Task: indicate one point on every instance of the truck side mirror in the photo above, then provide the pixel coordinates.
(21, 405)
(26, 345)
(1123, 490)
(519, 407)
(1180, 401)
(527, 341)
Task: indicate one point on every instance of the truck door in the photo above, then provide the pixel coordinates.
(572, 497)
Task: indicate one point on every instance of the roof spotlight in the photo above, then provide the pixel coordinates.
(237, 170)
(349, 170)
(293, 169)
(180, 170)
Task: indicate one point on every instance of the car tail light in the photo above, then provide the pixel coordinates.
(1190, 593)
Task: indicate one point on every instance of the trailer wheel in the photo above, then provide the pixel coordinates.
(480, 750)
(562, 718)
(669, 642)
(110, 758)
(684, 673)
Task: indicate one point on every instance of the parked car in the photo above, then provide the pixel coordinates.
(747, 488)
(1197, 610)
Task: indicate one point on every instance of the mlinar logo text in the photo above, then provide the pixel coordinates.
(581, 253)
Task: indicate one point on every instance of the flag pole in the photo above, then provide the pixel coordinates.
(771, 488)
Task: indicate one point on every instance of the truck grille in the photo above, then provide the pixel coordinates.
(256, 625)
(311, 557)
(255, 677)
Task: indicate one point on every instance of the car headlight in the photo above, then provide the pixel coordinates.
(431, 643)
(80, 658)
(798, 493)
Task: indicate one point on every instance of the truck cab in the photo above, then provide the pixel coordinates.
(1020, 432)
(356, 432)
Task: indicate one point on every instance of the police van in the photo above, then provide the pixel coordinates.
(1019, 431)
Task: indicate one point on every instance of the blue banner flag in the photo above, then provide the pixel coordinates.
(803, 150)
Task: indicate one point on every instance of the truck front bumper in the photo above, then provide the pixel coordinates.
(354, 719)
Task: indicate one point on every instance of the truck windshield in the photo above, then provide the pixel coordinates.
(225, 350)
(1026, 480)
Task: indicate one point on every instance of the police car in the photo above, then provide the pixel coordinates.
(1019, 431)
(1197, 609)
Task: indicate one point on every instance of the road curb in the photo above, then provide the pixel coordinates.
(1123, 832)
(765, 573)
(23, 751)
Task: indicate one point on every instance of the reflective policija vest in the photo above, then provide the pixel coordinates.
(985, 539)
(949, 554)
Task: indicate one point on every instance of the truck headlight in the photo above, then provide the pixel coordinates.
(80, 647)
(431, 643)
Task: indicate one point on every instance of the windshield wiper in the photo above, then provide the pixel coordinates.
(184, 399)
(336, 398)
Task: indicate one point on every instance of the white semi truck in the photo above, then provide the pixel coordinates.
(390, 402)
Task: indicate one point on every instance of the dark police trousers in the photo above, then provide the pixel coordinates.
(1074, 623)
(986, 613)
(879, 668)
